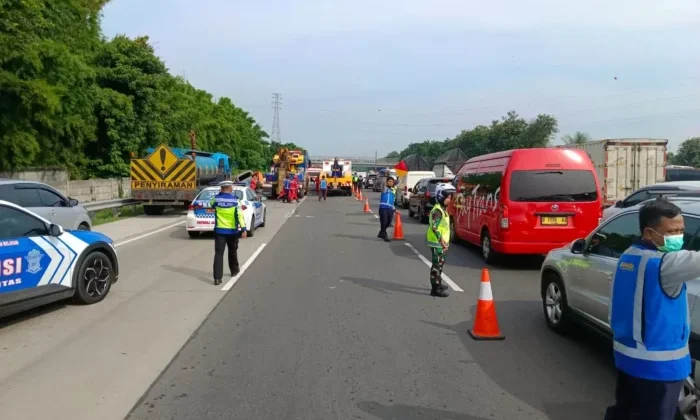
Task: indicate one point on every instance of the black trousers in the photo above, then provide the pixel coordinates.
(642, 399)
(220, 244)
(385, 216)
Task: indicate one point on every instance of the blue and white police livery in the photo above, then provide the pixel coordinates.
(42, 263)
(201, 216)
(651, 329)
(387, 198)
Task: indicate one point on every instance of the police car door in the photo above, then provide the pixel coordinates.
(32, 263)
(257, 205)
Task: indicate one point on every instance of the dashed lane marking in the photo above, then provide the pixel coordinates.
(445, 277)
(232, 282)
(136, 238)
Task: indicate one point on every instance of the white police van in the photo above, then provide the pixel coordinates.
(40, 262)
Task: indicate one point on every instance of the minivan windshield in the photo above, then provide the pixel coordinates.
(553, 185)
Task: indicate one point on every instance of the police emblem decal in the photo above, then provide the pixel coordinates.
(34, 260)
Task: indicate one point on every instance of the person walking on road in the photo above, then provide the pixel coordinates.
(649, 316)
(229, 223)
(323, 189)
(360, 182)
(438, 237)
(285, 185)
(354, 183)
(386, 208)
(293, 189)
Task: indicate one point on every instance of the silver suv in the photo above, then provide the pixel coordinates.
(576, 281)
(45, 201)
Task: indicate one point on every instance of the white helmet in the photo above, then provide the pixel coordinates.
(442, 190)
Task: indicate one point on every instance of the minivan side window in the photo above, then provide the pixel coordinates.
(553, 185)
(17, 224)
(51, 199)
(489, 187)
(25, 197)
(615, 237)
(637, 198)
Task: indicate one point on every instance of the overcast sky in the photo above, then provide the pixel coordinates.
(363, 76)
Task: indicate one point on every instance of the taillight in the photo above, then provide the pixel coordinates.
(193, 207)
(427, 194)
(504, 217)
(600, 215)
(243, 207)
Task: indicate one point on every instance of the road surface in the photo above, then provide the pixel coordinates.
(328, 322)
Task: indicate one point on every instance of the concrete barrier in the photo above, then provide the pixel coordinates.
(82, 190)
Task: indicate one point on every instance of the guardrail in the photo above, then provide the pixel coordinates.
(94, 206)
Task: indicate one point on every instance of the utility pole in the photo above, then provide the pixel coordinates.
(276, 106)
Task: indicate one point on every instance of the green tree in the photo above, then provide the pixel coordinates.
(392, 155)
(577, 138)
(688, 153)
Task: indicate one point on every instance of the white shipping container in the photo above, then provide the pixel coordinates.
(625, 165)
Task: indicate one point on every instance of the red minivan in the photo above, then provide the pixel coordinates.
(526, 201)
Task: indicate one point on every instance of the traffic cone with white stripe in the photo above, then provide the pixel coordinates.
(485, 320)
(367, 209)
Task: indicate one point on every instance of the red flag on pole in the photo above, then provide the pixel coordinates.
(401, 168)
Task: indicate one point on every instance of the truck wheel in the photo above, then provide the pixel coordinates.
(151, 210)
(301, 194)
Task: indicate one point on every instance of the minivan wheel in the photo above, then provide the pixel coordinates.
(554, 303)
(487, 253)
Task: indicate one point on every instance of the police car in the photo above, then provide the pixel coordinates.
(200, 216)
(42, 263)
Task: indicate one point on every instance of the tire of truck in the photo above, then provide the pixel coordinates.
(301, 194)
(151, 210)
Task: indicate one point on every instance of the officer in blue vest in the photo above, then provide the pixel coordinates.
(649, 316)
(386, 208)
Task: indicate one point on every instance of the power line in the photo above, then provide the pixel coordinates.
(276, 106)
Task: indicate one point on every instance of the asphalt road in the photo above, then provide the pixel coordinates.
(72, 362)
(331, 323)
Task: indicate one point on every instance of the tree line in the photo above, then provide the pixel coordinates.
(72, 99)
(510, 132)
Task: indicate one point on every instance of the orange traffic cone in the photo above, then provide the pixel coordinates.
(367, 209)
(398, 228)
(486, 321)
(359, 193)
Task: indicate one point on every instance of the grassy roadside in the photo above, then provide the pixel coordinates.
(112, 215)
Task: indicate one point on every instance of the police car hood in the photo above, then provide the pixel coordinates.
(90, 237)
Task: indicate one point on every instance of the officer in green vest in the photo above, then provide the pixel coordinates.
(438, 237)
(354, 182)
(229, 224)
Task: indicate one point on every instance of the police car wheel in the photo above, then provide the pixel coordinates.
(193, 234)
(554, 303)
(251, 230)
(264, 216)
(94, 278)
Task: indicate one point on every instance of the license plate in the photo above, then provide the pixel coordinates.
(554, 221)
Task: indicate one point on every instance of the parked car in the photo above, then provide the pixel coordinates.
(371, 179)
(576, 279)
(526, 201)
(663, 189)
(43, 263)
(406, 184)
(44, 200)
(200, 215)
(422, 197)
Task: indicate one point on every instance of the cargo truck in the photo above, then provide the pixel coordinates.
(286, 162)
(625, 165)
(170, 177)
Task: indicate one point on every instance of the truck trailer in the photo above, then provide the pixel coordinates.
(625, 165)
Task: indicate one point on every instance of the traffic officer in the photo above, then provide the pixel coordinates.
(230, 222)
(438, 237)
(386, 208)
(649, 316)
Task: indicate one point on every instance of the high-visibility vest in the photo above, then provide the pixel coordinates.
(443, 228)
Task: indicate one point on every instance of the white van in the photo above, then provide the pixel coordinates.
(407, 182)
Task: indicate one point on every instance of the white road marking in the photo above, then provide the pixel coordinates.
(149, 234)
(375, 216)
(229, 284)
(445, 277)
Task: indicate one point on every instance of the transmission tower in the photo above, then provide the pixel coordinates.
(276, 106)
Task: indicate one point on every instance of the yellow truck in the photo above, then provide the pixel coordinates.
(338, 174)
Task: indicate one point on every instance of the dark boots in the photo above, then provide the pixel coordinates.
(439, 290)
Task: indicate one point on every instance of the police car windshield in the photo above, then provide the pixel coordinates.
(209, 194)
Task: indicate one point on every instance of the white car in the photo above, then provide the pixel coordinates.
(200, 216)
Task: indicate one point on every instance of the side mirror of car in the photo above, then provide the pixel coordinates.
(618, 204)
(577, 246)
(55, 230)
(73, 202)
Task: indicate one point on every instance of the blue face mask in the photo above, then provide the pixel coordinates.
(672, 243)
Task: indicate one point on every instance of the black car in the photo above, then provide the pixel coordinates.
(369, 182)
(423, 197)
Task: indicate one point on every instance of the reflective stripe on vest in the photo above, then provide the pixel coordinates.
(443, 228)
(386, 200)
(650, 345)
